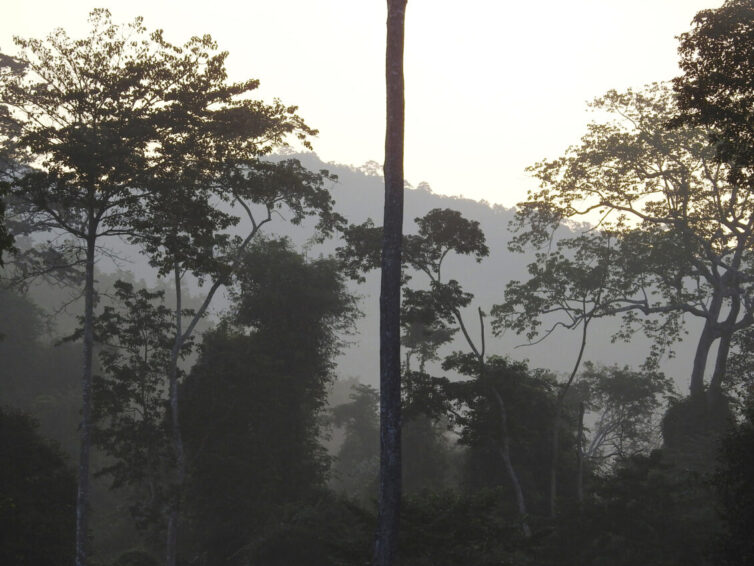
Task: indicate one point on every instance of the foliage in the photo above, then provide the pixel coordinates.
(646, 512)
(577, 282)
(625, 404)
(354, 471)
(252, 402)
(675, 227)
(37, 496)
(37, 377)
(443, 528)
(692, 428)
(716, 88)
(529, 402)
(323, 531)
(130, 403)
(733, 480)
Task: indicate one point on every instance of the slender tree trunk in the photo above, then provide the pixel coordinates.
(386, 543)
(580, 457)
(556, 423)
(505, 453)
(177, 437)
(82, 496)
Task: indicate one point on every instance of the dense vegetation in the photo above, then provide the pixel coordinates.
(234, 436)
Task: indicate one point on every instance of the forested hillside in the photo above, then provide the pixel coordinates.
(193, 328)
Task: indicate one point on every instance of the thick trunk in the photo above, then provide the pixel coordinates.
(723, 349)
(82, 497)
(386, 543)
(177, 438)
(721, 364)
(505, 454)
(696, 383)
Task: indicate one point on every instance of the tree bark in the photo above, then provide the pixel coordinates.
(580, 456)
(82, 495)
(177, 438)
(386, 543)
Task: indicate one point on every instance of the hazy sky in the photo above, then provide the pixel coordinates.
(491, 85)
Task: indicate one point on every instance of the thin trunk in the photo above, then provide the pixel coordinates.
(556, 423)
(177, 438)
(181, 337)
(505, 453)
(82, 496)
(386, 540)
(580, 456)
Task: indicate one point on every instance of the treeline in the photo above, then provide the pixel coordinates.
(231, 441)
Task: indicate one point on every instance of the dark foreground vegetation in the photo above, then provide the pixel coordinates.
(144, 431)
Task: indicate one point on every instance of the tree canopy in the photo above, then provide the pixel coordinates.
(674, 230)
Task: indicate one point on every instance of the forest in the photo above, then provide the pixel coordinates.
(190, 298)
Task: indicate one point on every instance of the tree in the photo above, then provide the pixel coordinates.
(386, 544)
(86, 115)
(716, 89)
(504, 416)
(356, 467)
(184, 232)
(440, 232)
(623, 405)
(569, 287)
(37, 496)
(105, 127)
(130, 410)
(680, 228)
(255, 397)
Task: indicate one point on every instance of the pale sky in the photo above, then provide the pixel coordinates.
(491, 85)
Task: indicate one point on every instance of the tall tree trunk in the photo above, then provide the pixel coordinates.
(505, 454)
(386, 543)
(177, 437)
(82, 496)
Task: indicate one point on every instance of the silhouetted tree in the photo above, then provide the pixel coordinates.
(253, 401)
(716, 89)
(115, 123)
(678, 226)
